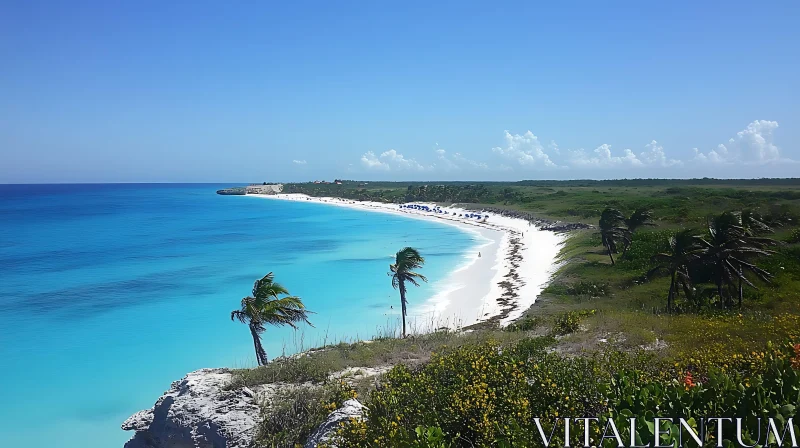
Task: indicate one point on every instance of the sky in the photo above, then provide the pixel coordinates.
(198, 91)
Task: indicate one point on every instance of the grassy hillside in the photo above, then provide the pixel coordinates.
(600, 334)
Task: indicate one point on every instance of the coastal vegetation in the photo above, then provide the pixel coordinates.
(402, 271)
(612, 231)
(267, 307)
(681, 300)
(491, 394)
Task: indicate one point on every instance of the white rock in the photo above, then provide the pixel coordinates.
(350, 409)
(197, 412)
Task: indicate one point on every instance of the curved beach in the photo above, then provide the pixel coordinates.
(499, 278)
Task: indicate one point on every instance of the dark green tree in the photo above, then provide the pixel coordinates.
(402, 271)
(639, 218)
(727, 248)
(683, 251)
(613, 231)
(267, 307)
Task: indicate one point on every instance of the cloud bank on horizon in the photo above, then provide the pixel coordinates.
(525, 153)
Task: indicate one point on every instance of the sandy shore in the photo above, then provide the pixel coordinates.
(516, 262)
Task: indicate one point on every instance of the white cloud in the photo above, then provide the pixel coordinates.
(456, 162)
(718, 155)
(654, 156)
(370, 161)
(463, 161)
(396, 160)
(755, 142)
(525, 149)
(604, 158)
(299, 162)
(390, 160)
(753, 145)
(443, 161)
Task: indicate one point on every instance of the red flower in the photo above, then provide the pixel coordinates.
(796, 358)
(688, 381)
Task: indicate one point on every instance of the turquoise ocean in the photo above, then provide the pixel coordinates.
(108, 293)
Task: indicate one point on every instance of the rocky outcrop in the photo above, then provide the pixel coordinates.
(238, 191)
(264, 189)
(201, 411)
(252, 189)
(197, 412)
(350, 409)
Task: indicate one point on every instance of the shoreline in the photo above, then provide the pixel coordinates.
(516, 262)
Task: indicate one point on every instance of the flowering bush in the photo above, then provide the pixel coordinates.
(489, 395)
(773, 391)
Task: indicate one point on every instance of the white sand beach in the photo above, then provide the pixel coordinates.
(516, 262)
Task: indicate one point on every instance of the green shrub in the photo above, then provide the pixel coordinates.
(477, 395)
(772, 393)
(643, 246)
(293, 415)
(569, 322)
(592, 289)
(526, 324)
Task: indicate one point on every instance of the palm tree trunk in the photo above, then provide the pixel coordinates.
(403, 304)
(610, 256)
(261, 354)
(741, 288)
(671, 292)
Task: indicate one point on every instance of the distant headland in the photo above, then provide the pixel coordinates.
(264, 188)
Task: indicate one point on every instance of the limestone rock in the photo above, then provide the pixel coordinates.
(197, 412)
(350, 409)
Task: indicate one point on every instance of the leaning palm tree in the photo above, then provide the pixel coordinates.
(753, 225)
(727, 247)
(683, 251)
(612, 231)
(267, 307)
(639, 218)
(402, 271)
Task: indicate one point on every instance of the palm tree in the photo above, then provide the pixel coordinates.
(266, 307)
(726, 247)
(683, 250)
(612, 231)
(406, 260)
(753, 225)
(639, 218)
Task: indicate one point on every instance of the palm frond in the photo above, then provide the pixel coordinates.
(285, 311)
(639, 218)
(412, 278)
(240, 316)
(267, 307)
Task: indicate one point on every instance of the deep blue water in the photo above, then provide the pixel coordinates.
(110, 292)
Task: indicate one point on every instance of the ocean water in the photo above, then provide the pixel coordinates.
(110, 292)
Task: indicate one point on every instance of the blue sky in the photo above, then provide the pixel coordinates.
(145, 91)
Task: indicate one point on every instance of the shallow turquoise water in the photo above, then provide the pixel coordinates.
(110, 292)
